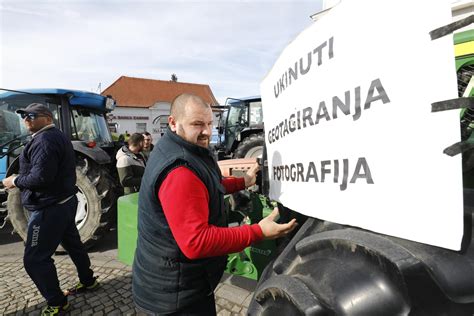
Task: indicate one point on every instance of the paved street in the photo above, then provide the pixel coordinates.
(18, 295)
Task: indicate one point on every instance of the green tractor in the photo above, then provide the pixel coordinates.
(82, 117)
(328, 268)
(324, 266)
(464, 50)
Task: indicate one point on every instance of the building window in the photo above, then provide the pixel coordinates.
(141, 127)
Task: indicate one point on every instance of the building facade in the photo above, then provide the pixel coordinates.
(144, 104)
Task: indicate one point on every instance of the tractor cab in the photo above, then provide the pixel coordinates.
(241, 129)
(80, 115)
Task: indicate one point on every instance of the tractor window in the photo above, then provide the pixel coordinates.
(89, 126)
(256, 114)
(238, 115)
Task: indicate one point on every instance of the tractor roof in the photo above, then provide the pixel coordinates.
(76, 97)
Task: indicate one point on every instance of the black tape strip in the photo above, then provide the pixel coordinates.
(458, 148)
(452, 104)
(450, 28)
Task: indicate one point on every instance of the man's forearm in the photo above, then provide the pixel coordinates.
(233, 184)
(32, 181)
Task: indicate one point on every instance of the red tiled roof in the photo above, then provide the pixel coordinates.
(144, 93)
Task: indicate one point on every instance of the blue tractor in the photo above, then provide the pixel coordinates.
(83, 117)
(240, 131)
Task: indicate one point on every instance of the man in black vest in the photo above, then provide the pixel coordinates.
(183, 236)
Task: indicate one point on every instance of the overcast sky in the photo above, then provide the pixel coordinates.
(228, 44)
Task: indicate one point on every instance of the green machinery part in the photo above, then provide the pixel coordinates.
(127, 227)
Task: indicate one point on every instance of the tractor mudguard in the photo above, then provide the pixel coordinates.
(13, 167)
(96, 154)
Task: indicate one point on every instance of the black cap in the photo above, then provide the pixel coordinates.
(36, 108)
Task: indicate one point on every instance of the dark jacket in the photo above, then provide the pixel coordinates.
(164, 280)
(47, 170)
(130, 169)
(147, 152)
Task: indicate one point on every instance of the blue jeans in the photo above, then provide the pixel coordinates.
(47, 228)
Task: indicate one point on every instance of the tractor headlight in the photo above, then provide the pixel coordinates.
(109, 103)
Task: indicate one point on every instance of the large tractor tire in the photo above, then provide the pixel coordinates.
(335, 280)
(250, 147)
(95, 209)
(330, 269)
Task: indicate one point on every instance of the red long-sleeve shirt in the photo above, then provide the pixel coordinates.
(185, 201)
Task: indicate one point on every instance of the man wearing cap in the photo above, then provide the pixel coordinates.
(47, 182)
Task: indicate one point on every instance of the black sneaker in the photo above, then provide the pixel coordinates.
(55, 310)
(81, 288)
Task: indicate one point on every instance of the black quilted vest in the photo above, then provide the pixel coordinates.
(164, 280)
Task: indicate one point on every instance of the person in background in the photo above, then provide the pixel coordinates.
(183, 238)
(47, 183)
(131, 163)
(121, 139)
(126, 136)
(147, 145)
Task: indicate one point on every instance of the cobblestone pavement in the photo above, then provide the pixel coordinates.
(19, 296)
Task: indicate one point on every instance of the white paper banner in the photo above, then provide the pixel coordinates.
(349, 129)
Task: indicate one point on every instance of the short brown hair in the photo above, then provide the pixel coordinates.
(135, 139)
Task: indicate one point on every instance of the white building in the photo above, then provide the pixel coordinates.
(144, 104)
